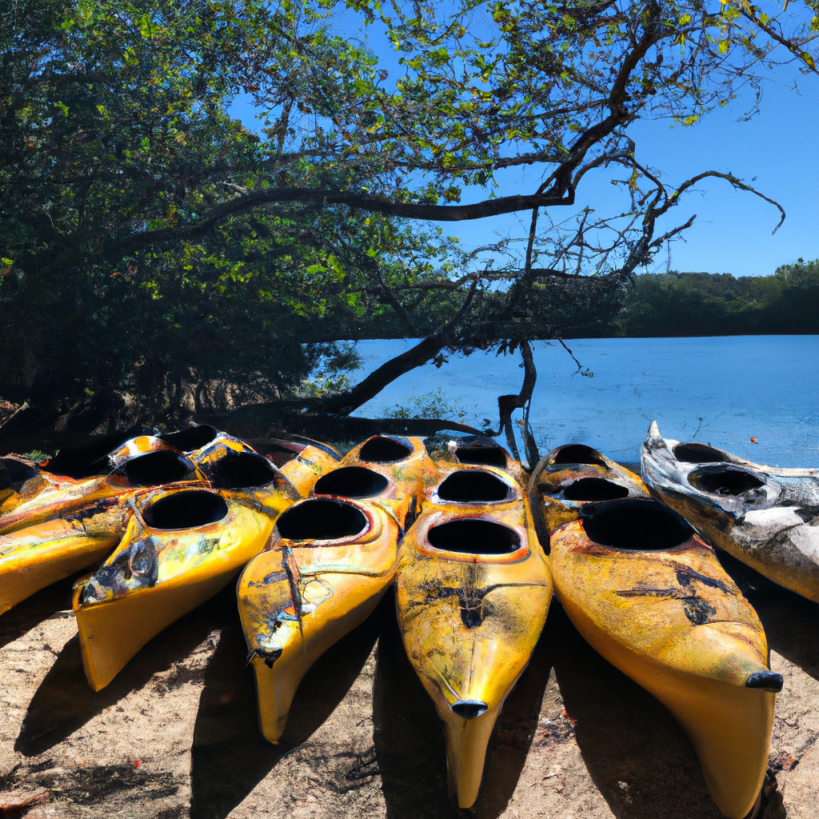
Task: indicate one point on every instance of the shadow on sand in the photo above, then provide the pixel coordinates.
(409, 739)
(64, 702)
(230, 756)
(39, 607)
(624, 734)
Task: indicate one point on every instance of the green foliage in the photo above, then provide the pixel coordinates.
(153, 246)
(113, 122)
(702, 304)
(434, 404)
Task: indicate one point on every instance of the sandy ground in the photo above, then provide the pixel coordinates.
(175, 734)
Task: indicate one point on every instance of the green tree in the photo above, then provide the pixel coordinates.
(156, 246)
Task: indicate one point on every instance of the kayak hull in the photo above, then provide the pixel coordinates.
(127, 602)
(304, 593)
(673, 620)
(473, 592)
(765, 517)
(47, 552)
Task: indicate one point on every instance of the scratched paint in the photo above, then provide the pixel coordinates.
(766, 517)
(660, 608)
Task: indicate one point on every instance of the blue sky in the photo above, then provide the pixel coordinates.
(733, 230)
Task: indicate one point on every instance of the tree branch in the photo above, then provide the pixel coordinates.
(269, 196)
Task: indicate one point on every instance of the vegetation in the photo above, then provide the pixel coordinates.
(701, 304)
(158, 259)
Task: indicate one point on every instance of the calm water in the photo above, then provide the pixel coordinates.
(718, 390)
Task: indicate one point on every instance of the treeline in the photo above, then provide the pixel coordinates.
(707, 304)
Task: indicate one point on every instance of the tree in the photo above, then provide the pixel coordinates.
(124, 179)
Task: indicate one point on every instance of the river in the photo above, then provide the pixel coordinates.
(722, 390)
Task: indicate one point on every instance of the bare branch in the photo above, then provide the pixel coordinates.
(737, 183)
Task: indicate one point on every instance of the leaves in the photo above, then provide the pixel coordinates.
(114, 127)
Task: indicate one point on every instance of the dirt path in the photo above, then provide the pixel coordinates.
(175, 734)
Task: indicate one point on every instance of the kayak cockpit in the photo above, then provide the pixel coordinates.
(635, 525)
(474, 486)
(187, 509)
(322, 519)
(694, 453)
(382, 449)
(474, 536)
(156, 468)
(594, 489)
(724, 480)
(352, 482)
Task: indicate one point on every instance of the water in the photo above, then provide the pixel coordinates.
(722, 391)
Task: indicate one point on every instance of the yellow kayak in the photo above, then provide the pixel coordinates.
(325, 568)
(652, 599)
(44, 553)
(302, 461)
(190, 441)
(389, 469)
(20, 480)
(475, 450)
(181, 547)
(61, 525)
(571, 476)
(473, 592)
(61, 496)
(764, 516)
(136, 447)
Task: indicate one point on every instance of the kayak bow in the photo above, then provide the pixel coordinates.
(653, 600)
(180, 548)
(766, 517)
(473, 591)
(325, 568)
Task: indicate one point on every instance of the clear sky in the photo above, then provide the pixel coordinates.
(732, 233)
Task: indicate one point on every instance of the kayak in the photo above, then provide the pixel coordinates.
(182, 546)
(571, 476)
(652, 598)
(326, 566)
(61, 496)
(764, 516)
(473, 592)
(475, 450)
(20, 480)
(46, 552)
(312, 460)
(390, 468)
(189, 440)
(135, 447)
(64, 525)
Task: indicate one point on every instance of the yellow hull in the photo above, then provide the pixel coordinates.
(62, 497)
(58, 496)
(309, 588)
(39, 555)
(162, 570)
(307, 467)
(669, 617)
(111, 633)
(402, 462)
(136, 447)
(276, 684)
(22, 578)
(570, 476)
(473, 592)
(479, 451)
(20, 480)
